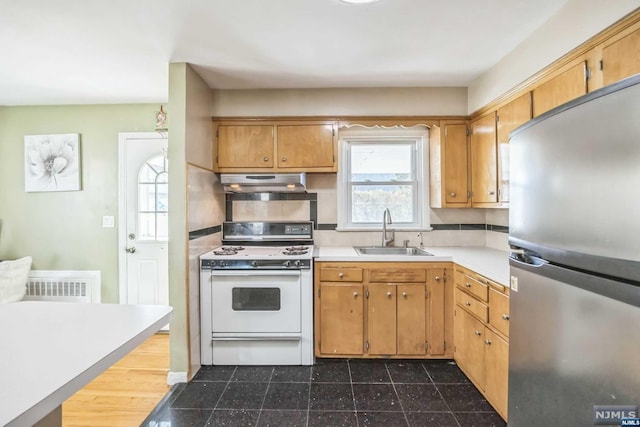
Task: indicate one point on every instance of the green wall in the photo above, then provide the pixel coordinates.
(63, 230)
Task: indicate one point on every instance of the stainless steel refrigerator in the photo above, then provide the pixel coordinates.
(574, 355)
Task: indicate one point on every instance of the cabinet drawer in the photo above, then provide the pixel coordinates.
(472, 305)
(499, 311)
(340, 274)
(473, 286)
(397, 275)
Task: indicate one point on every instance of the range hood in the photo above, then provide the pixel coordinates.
(264, 182)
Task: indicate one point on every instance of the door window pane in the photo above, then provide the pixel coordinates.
(153, 200)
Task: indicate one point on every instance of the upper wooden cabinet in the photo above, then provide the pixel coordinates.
(565, 86)
(272, 146)
(510, 116)
(450, 183)
(621, 56)
(484, 167)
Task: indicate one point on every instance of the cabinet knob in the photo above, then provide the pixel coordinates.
(487, 341)
(452, 194)
(404, 294)
(355, 295)
(389, 294)
(467, 303)
(467, 284)
(437, 278)
(265, 159)
(505, 316)
(491, 193)
(284, 159)
(478, 333)
(341, 275)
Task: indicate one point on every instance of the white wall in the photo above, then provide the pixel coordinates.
(340, 102)
(573, 24)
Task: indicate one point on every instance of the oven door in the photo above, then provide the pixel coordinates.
(248, 303)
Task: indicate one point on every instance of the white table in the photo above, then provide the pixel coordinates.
(50, 350)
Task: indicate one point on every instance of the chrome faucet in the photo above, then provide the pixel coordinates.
(386, 219)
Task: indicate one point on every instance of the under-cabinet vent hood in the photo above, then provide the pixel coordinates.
(264, 182)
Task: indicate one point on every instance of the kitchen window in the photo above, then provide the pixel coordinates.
(383, 169)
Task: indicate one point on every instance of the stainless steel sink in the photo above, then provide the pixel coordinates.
(390, 250)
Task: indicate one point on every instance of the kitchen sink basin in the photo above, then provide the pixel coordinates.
(390, 250)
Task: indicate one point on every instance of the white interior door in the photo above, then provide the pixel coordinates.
(144, 219)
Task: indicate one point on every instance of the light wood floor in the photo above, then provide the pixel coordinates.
(126, 393)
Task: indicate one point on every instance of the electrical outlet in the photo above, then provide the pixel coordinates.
(514, 283)
(108, 222)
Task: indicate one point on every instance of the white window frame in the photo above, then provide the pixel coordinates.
(419, 136)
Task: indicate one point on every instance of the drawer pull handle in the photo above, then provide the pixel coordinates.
(505, 316)
(404, 294)
(265, 159)
(452, 194)
(487, 341)
(437, 278)
(467, 303)
(341, 275)
(389, 294)
(467, 284)
(284, 159)
(478, 333)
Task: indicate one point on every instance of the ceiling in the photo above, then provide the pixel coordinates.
(71, 52)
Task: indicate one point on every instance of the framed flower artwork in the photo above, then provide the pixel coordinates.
(52, 162)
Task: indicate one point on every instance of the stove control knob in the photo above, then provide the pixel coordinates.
(287, 263)
(297, 263)
(223, 263)
(254, 263)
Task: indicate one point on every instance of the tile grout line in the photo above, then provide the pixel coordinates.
(441, 396)
(309, 395)
(264, 398)
(213, 411)
(393, 384)
(353, 394)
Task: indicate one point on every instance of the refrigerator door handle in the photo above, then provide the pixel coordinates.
(526, 259)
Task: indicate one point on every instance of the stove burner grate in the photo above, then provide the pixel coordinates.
(228, 250)
(295, 250)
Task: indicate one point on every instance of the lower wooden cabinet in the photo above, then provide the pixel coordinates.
(382, 310)
(481, 333)
(341, 309)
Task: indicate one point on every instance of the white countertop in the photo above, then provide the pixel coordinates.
(50, 350)
(491, 263)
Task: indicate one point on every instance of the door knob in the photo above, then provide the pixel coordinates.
(131, 250)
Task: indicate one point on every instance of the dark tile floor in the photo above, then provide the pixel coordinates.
(385, 393)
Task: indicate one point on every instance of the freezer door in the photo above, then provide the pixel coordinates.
(575, 179)
(571, 347)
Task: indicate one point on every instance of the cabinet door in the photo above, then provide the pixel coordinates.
(245, 146)
(435, 310)
(621, 58)
(470, 346)
(484, 168)
(566, 86)
(305, 146)
(411, 318)
(497, 371)
(381, 312)
(341, 318)
(456, 164)
(510, 116)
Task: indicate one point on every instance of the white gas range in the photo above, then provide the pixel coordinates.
(256, 295)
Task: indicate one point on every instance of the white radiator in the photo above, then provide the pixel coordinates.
(63, 285)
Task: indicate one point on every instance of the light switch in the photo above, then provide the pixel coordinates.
(108, 222)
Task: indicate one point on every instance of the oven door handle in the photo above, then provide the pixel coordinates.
(254, 273)
(258, 338)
